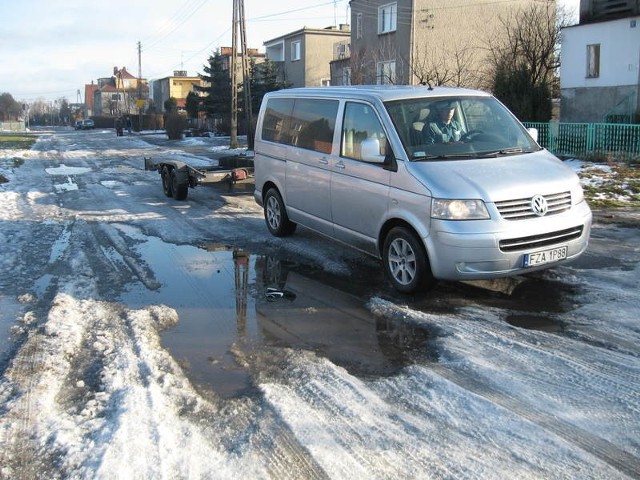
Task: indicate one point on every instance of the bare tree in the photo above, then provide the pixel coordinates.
(437, 65)
(524, 60)
(358, 65)
(364, 64)
(531, 39)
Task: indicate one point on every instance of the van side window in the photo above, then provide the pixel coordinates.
(275, 117)
(313, 123)
(305, 122)
(360, 122)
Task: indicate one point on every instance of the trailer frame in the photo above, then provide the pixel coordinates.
(178, 176)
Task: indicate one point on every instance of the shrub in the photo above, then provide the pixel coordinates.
(174, 125)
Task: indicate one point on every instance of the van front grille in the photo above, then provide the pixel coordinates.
(544, 240)
(522, 209)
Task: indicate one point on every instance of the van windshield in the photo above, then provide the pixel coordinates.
(458, 128)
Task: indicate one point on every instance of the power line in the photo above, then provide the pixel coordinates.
(186, 14)
(291, 11)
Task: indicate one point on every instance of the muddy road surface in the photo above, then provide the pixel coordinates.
(144, 337)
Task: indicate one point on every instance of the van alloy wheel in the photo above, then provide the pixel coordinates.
(405, 261)
(275, 214)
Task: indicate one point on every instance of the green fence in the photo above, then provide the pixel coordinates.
(597, 141)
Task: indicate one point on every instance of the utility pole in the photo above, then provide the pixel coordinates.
(234, 80)
(139, 87)
(246, 80)
(239, 23)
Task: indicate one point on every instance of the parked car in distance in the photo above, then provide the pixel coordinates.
(85, 124)
(440, 183)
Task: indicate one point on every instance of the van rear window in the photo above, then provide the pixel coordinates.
(303, 122)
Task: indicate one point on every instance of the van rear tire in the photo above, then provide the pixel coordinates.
(275, 214)
(405, 261)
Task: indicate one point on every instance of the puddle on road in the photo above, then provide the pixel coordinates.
(228, 299)
(530, 302)
(10, 308)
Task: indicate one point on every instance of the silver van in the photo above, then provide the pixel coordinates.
(440, 183)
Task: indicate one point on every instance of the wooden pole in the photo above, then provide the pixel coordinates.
(246, 80)
(234, 81)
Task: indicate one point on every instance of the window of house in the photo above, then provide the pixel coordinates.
(295, 50)
(359, 25)
(387, 18)
(346, 76)
(593, 60)
(386, 72)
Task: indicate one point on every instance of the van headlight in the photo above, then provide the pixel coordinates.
(458, 209)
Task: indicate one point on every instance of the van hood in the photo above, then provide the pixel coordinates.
(495, 179)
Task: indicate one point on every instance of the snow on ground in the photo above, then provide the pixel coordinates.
(89, 391)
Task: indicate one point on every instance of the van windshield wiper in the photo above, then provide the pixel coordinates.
(456, 156)
(503, 153)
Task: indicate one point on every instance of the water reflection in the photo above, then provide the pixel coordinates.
(299, 311)
(232, 303)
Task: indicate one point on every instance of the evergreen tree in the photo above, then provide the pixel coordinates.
(192, 104)
(65, 111)
(171, 105)
(264, 79)
(516, 88)
(217, 99)
(9, 108)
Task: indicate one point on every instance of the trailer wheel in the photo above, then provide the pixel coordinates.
(180, 190)
(166, 182)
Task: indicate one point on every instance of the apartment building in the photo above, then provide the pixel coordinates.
(303, 57)
(421, 41)
(175, 86)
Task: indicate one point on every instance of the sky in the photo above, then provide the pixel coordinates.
(52, 49)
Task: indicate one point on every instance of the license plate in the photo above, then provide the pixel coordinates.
(545, 256)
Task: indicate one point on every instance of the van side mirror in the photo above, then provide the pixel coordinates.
(534, 133)
(370, 151)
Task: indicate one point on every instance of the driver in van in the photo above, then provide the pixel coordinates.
(442, 127)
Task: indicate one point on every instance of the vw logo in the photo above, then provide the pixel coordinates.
(539, 205)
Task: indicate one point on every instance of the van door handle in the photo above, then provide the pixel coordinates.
(340, 164)
(323, 161)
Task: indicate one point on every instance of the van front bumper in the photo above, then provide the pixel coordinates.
(474, 250)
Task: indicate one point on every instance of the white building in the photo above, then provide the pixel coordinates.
(600, 71)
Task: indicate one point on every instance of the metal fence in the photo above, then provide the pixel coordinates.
(590, 141)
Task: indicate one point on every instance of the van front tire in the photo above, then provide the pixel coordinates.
(405, 261)
(275, 214)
